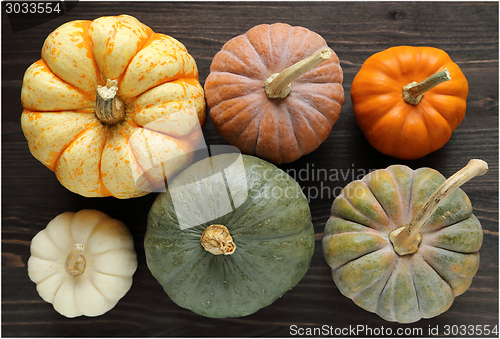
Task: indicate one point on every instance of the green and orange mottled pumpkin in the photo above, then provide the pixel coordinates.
(367, 265)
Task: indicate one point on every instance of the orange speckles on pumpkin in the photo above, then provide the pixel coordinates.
(71, 59)
(82, 45)
(110, 48)
(34, 116)
(52, 159)
(456, 268)
(76, 38)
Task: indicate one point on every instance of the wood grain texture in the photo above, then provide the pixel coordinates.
(32, 196)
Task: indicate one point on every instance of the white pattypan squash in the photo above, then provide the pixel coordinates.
(83, 263)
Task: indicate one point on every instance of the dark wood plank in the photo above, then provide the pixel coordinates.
(31, 195)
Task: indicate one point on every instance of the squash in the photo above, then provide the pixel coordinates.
(231, 235)
(82, 263)
(112, 107)
(404, 243)
(275, 91)
(409, 100)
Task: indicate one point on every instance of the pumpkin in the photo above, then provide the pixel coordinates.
(404, 243)
(112, 107)
(231, 235)
(82, 263)
(275, 91)
(408, 100)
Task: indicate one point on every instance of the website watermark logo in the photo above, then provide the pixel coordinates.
(211, 190)
(165, 147)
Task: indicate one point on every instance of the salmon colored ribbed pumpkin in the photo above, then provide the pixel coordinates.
(275, 91)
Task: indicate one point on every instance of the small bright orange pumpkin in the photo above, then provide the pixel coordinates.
(275, 91)
(408, 100)
(109, 102)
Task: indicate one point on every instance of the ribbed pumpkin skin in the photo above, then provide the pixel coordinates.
(274, 240)
(110, 263)
(365, 266)
(391, 125)
(158, 83)
(277, 130)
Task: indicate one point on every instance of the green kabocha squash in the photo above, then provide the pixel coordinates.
(231, 235)
(404, 243)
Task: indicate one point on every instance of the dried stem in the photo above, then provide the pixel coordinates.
(414, 91)
(109, 109)
(217, 240)
(279, 85)
(406, 239)
(75, 262)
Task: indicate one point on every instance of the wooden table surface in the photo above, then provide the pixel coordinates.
(31, 195)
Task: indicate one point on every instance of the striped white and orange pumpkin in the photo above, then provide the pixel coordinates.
(108, 103)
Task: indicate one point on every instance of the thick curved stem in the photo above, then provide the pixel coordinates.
(414, 91)
(406, 239)
(75, 262)
(217, 240)
(109, 109)
(279, 85)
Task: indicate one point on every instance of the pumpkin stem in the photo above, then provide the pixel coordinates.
(75, 262)
(414, 91)
(109, 109)
(279, 85)
(217, 240)
(407, 238)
